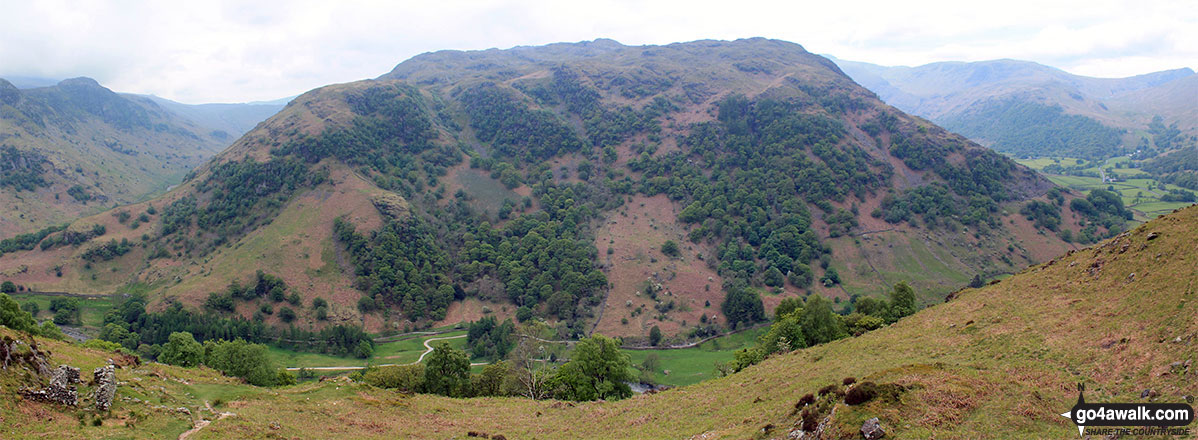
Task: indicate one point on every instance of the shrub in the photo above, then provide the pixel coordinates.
(182, 349)
(286, 314)
(830, 389)
(868, 391)
(861, 393)
(807, 399)
(670, 248)
(849, 381)
(406, 378)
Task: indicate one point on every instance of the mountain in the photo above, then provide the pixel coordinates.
(229, 121)
(601, 187)
(1030, 109)
(1001, 361)
(77, 148)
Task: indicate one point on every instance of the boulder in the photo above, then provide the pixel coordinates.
(872, 429)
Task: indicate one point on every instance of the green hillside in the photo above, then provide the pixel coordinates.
(544, 183)
(76, 148)
(996, 362)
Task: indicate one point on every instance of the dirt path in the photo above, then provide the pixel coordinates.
(201, 424)
(427, 349)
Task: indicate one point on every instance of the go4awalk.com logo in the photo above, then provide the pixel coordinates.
(1129, 418)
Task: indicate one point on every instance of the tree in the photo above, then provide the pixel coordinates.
(490, 382)
(13, 317)
(286, 314)
(977, 281)
(773, 277)
(529, 378)
(819, 323)
(669, 248)
(787, 306)
(598, 369)
(241, 359)
(902, 301)
(831, 277)
(8, 287)
(182, 349)
(486, 338)
(113, 332)
(743, 306)
(655, 335)
(364, 350)
(447, 371)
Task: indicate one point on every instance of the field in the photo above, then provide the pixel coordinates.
(693, 365)
(397, 352)
(91, 308)
(1139, 190)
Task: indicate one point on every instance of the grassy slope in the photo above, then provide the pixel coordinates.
(997, 362)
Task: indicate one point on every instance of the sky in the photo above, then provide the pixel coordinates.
(225, 51)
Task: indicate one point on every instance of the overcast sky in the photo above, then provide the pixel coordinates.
(217, 51)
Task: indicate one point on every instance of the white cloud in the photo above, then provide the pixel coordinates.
(238, 51)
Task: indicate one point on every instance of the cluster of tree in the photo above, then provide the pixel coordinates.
(1042, 215)
(130, 325)
(543, 258)
(1026, 128)
(21, 170)
(499, 116)
(1104, 207)
(79, 193)
(263, 286)
(746, 180)
(1164, 137)
(12, 316)
(1178, 195)
(70, 237)
(488, 339)
(236, 358)
(402, 265)
(107, 251)
(1179, 168)
(799, 324)
(66, 311)
(241, 194)
(28, 241)
(597, 369)
(970, 195)
(501, 171)
(392, 134)
(604, 126)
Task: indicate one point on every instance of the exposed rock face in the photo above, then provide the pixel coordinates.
(15, 352)
(105, 380)
(61, 389)
(390, 205)
(872, 429)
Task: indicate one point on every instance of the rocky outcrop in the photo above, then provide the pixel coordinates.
(13, 352)
(390, 205)
(105, 380)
